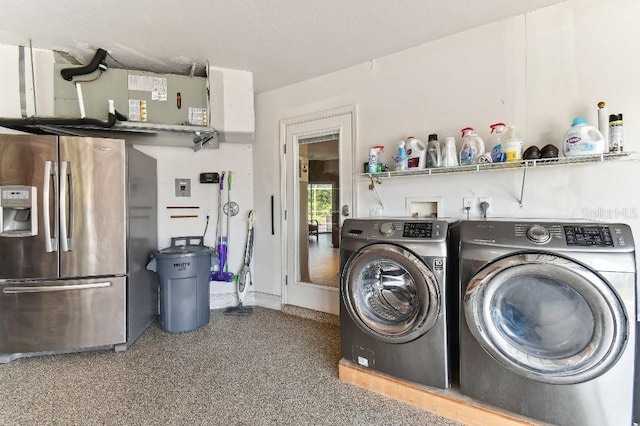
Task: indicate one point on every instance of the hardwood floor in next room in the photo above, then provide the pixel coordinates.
(324, 260)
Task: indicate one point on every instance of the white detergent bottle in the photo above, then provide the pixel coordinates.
(449, 154)
(582, 139)
(401, 160)
(512, 144)
(416, 153)
(479, 145)
(468, 150)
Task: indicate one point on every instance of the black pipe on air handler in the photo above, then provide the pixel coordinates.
(97, 61)
(52, 121)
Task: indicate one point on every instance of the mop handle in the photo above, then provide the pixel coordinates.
(249, 249)
(219, 221)
(226, 269)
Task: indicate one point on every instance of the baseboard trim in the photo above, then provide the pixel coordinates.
(253, 298)
(311, 314)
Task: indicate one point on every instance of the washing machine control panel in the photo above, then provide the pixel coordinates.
(387, 229)
(595, 236)
(417, 230)
(538, 234)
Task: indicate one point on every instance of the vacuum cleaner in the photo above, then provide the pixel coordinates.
(244, 279)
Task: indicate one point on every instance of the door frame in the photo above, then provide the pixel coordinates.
(284, 247)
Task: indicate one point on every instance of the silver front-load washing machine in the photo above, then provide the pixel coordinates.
(547, 319)
(393, 297)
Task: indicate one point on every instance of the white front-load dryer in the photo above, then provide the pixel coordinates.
(547, 319)
(393, 298)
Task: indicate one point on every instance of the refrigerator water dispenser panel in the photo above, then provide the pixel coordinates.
(18, 211)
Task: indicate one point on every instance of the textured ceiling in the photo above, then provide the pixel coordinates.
(281, 41)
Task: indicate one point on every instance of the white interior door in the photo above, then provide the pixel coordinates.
(318, 187)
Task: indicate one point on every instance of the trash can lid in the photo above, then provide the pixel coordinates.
(182, 251)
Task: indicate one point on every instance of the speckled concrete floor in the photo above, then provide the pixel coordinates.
(270, 368)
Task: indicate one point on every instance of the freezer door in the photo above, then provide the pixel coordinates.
(92, 207)
(61, 315)
(29, 160)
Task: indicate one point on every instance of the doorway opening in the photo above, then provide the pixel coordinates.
(318, 188)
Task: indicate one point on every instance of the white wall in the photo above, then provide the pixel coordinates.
(536, 71)
(179, 163)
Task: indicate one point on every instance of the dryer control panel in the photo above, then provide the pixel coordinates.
(570, 236)
(598, 236)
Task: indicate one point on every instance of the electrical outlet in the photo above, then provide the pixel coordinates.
(488, 201)
(470, 203)
(207, 213)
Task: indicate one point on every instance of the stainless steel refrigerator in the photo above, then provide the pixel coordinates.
(78, 221)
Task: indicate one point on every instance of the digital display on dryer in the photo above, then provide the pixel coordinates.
(417, 230)
(595, 236)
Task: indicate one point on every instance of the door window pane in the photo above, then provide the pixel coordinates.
(320, 201)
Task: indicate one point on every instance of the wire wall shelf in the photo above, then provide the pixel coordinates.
(524, 165)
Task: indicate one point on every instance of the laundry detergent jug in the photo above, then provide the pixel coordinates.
(475, 142)
(582, 139)
(416, 153)
(472, 146)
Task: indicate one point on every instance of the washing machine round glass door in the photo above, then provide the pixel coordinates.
(546, 317)
(390, 293)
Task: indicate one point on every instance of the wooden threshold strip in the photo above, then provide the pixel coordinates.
(446, 403)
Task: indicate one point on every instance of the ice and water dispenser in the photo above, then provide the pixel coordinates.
(18, 211)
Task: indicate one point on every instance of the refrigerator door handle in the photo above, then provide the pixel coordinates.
(66, 199)
(46, 289)
(50, 242)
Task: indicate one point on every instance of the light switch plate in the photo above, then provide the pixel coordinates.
(183, 187)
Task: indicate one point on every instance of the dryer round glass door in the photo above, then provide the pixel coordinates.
(546, 317)
(390, 293)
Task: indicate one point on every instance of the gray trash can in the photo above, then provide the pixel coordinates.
(183, 271)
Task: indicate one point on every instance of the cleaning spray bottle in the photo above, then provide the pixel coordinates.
(374, 159)
(467, 152)
(497, 156)
(401, 160)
